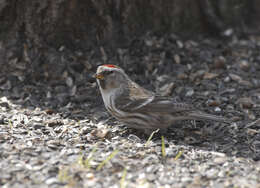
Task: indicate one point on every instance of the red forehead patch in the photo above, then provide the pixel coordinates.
(110, 66)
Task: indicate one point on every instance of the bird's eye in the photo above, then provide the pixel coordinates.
(109, 73)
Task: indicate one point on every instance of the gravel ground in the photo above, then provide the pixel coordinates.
(56, 132)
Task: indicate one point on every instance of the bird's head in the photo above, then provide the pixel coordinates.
(110, 77)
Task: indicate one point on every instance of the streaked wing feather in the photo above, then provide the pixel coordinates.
(153, 104)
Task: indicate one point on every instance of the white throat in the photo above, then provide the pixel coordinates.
(108, 96)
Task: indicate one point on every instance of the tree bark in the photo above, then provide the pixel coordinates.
(33, 32)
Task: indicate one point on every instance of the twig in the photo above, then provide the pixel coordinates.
(252, 123)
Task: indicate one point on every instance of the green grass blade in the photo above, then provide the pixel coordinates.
(90, 157)
(178, 155)
(150, 137)
(112, 155)
(163, 148)
(122, 181)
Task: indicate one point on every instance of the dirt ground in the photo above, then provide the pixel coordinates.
(55, 131)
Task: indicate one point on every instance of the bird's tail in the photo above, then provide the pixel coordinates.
(209, 117)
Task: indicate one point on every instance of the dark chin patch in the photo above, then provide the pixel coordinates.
(102, 84)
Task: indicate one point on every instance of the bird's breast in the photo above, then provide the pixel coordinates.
(106, 99)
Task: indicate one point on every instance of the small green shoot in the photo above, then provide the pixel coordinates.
(10, 124)
(63, 175)
(112, 155)
(178, 155)
(150, 137)
(122, 181)
(80, 160)
(163, 148)
(90, 157)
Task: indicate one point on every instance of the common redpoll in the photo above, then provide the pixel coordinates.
(139, 108)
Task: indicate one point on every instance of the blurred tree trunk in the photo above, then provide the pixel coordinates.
(33, 32)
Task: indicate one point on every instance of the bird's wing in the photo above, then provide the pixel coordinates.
(152, 104)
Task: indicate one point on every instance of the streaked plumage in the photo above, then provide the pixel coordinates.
(139, 108)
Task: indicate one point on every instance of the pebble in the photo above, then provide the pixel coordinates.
(51, 181)
(245, 102)
(189, 93)
(217, 109)
(227, 79)
(235, 77)
(244, 65)
(6, 86)
(69, 81)
(220, 160)
(180, 44)
(209, 76)
(220, 62)
(134, 138)
(167, 89)
(177, 59)
(213, 103)
(182, 76)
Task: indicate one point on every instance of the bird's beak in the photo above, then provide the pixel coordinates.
(99, 76)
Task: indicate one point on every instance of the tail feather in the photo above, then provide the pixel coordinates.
(209, 117)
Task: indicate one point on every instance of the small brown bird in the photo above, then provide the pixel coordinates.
(139, 108)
